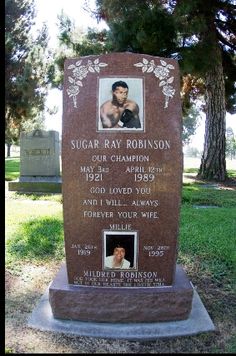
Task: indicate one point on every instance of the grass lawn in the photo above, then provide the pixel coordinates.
(35, 249)
(12, 168)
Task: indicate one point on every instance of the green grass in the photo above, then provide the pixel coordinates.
(38, 239)
(207, 235)
(12, 168)
(8, 351)
(231, 173)
(57, 197)
(190, 170)
(199, 195)
(34, 230)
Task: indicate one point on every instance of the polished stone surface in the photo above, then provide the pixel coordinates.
(121, 185)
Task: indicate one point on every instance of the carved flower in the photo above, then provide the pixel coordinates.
(80, 72)
(168, 91)
(161, 72)
(73, 90)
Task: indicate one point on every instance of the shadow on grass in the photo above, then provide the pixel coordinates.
(37, 239)
(191, 170)
(57, 197)
(194, 193)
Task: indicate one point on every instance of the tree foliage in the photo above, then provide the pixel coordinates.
(202, 33)
(74, 42)
(140, 26)
(25, 67)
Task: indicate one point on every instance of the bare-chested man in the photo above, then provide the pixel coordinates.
(120, 111)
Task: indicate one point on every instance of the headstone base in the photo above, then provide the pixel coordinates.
(36, 184)
(121, 305)
(198, 322)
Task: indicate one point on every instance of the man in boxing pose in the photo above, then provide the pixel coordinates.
(120, 111)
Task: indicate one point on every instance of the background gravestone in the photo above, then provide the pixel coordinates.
(39, 162)
(39, 153)
(121, 185)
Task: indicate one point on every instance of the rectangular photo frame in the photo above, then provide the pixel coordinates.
(127, 116)
(122, 245)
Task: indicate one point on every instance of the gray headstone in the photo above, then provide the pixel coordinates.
(39, 153)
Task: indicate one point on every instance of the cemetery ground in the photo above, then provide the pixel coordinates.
(35, 251)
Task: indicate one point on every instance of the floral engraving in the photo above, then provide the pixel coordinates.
(162, 72)
(79, 72)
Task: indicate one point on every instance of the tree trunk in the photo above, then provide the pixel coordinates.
(8, 149)
(213, 164)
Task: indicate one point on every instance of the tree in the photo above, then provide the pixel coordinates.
(73, 42)
(202, 33)
(207, 35)
(192, 90)
(25, 68)
(140, 26)
(191, 120)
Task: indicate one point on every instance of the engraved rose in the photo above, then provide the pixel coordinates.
(168, 91)
(80, 72)
(73, 90)
(161, 72)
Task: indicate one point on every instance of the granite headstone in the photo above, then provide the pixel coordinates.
(39, 162)
(39, 153)
(122, 179)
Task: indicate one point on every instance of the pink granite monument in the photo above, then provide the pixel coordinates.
(122, 179)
